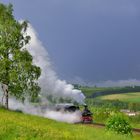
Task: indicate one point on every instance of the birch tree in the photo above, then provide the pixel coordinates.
(18, 75)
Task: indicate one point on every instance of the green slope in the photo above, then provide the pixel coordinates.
(125, 97)
(18, 126)
(91, 92)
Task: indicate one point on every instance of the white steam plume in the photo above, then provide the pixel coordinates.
(74, 117)
(61, 116)
(50, 85)
(49, 82)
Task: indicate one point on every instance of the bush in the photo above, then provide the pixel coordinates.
(101, 114)
(119, 124)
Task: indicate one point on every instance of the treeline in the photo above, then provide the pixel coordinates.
(95, 92)
(113, 104)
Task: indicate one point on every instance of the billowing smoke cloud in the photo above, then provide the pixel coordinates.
(50, 85)
(74, 117)
(49, 82)
(47, 112)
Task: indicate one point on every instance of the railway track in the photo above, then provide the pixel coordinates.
(136, 130)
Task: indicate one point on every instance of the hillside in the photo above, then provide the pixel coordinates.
(126, 97)
(92, 92)
(14, 125)
(118, 97)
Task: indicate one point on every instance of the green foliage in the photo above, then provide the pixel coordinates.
(17, 70)
(101, 114)
(116, 104)
(119, 124)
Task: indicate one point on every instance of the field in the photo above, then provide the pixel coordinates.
(92, 92)
(126, 97)
(18, 126)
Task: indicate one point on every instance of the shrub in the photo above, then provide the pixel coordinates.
(102, 114)
(119, 124)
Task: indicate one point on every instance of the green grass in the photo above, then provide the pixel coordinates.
(18, 126)
(125, 97)
(136, 125)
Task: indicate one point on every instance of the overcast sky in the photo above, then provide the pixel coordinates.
(93, 40)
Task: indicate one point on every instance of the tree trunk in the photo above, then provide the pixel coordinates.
(6, 99)
(5, 94)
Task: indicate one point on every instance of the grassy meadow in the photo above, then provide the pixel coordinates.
(126, 97)
(18, 126)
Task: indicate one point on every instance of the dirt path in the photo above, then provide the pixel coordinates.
(100, 125)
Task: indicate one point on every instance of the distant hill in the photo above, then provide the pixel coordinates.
(133, 97)
(93, 92)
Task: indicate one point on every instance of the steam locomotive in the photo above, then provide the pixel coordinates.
(86, 114)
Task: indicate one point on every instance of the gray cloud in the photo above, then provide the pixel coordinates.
(96, 40)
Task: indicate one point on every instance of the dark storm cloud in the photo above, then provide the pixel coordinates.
(93, 39)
